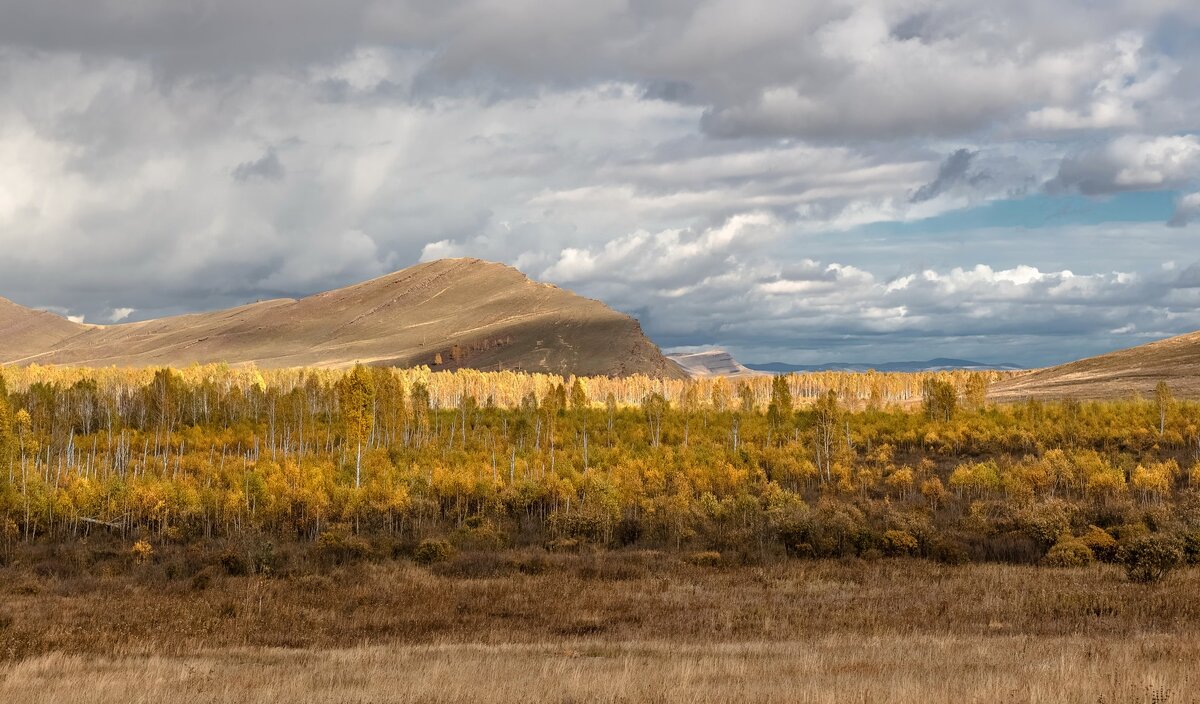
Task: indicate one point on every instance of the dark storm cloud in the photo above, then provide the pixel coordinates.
(952, 172)
(267, 167)
(222, 36)
(672, 91)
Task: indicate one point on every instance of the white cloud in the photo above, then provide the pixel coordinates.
(1132, 162)
(722, 168)
(1129, 80)
(1187, 210)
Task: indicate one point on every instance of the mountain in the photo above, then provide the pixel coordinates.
(710, 363)
(1120, 374)
(448, 314)
(932, 365)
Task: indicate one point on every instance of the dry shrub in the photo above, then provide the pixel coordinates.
(1068, 552)
(1101, 543)
(899, 542)
(478, 536)
(949, 551)
(141, 551)
(585, 526)
(1150, 558)
(1191, 547)
(706, 558)
(338, 545)
(431, 551)
(205, 578)
(1012, 547)
(1046, 521)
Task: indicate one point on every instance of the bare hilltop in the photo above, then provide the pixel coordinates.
(448, 314)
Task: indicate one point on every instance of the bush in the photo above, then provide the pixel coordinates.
(1012, 547)
(1150, 558)
(1068, 552)
(949, 551)
(1046, 521)
(141, 551)
(204, 578)
(433, 551)
(1102, 545)
(587, 527)
(628, 532)
(899, 542)
(1191, 548)
(234, 564)
(338, 545)
(707, 558)
(478, 536)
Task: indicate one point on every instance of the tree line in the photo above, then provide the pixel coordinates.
(805, 465)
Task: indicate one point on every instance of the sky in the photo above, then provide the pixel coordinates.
(796, 181)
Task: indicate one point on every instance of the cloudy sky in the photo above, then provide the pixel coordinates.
(796, 181)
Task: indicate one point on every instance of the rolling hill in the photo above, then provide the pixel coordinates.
(25, 331)
(1120, 374)
(449, 314)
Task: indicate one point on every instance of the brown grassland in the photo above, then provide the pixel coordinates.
(613, 626)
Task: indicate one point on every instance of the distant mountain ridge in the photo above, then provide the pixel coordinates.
(932, 365)
(448, 314)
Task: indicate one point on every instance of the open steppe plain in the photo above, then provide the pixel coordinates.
(607, 627)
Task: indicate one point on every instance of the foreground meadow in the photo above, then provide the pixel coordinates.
(526, 626)
(910, 670)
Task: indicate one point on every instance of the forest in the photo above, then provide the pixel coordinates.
(376, 463)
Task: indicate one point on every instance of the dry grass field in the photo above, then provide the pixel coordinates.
(609, 627)
(918, 669)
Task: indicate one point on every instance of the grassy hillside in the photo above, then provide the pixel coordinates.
(1120, 374)
(451, 314)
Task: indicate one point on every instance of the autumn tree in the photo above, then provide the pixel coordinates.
(7, 434)
(939, 399)
(356, 396)
(655, 407)
(719, 395)
(1163, 399)
(579, 397)
(779, 411)
(826, 418)
(746, 401)
(976, 391)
